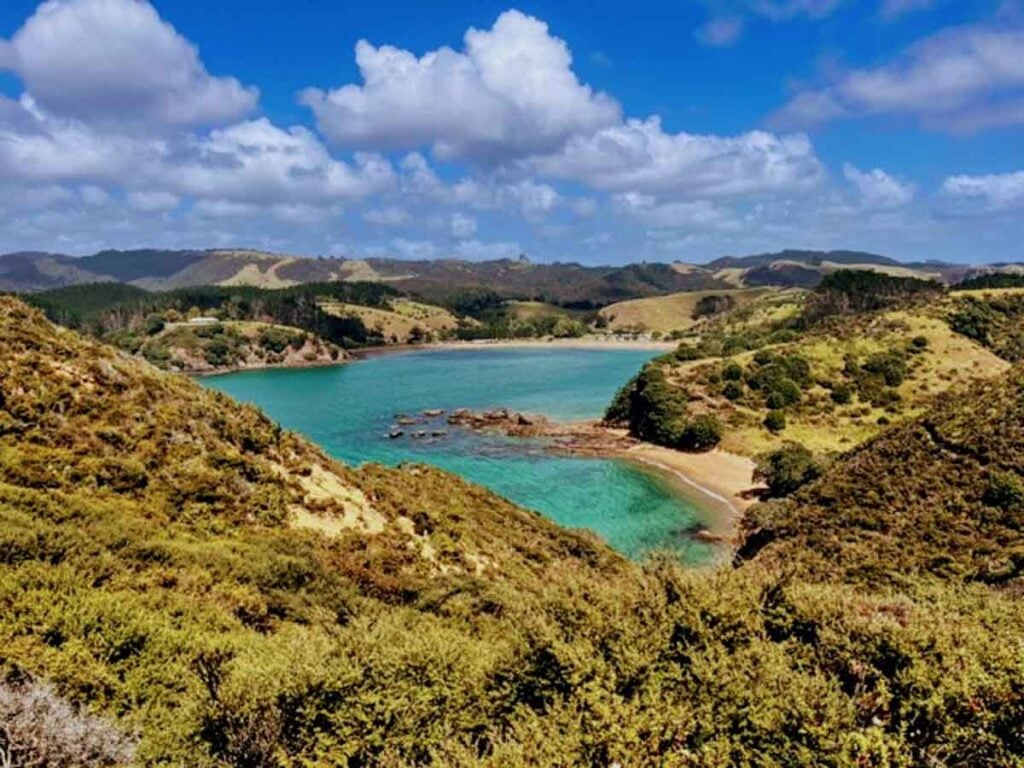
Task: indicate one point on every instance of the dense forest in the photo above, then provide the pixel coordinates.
(197, 587)
(125, 315)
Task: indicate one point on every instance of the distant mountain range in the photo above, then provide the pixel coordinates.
(437, 280)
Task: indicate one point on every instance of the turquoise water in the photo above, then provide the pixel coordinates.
(349, 409)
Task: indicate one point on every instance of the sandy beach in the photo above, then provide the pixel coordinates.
(585, 342)
(718, 481)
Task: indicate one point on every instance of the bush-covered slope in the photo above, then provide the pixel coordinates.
(227, 595)
(943, 495)
(833, 367)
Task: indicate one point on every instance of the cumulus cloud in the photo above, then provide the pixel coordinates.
(152, 201)
(463, 227)
(256, 161)
(510, 92)
(639, 156)
(998, 191)
(114, 60)
(877, 188)
(965, 78)
(690, 214)
(392, 216)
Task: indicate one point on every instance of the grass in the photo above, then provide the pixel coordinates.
(665, 314)
(401, 322)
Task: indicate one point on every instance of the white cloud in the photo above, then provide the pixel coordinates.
(463, 227)
(894, 9)
(724, 30)
(877, 188)
(152, 201)
(640, 156)
(964, 78)
(728, 17)
(392, 216)
(113, 60)
(691, 214)
(475, 250)
(256, 161)
(998, 191)
(512, 92)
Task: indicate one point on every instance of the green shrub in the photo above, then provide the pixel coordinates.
(154, 324)
(733, 371)
(701, 433)
(841, 393)
(733, 390)
(786, 469)
(1006, 491)
(775, 421)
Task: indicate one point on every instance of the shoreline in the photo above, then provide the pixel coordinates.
(718, 483)
(270, 367)
(578, 343)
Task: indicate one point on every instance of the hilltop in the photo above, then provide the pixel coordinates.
(439, 281)
(827, 369)
(220, 592)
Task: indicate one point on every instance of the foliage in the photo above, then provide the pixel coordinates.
(155, 570)
(775, 421)
(851, 291)
(995, 280)
(123, 314)
(713, 304)
(787, 468)
(932, 496)
(655, 410)
(996, 322)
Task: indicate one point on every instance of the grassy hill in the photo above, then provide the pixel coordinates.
(220, 592)
(569, 285)
(399, 321)
(828, 369)
(941, 495)
(676, 312)
(189, 348)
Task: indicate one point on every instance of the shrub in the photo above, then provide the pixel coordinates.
(786, 469)
(919, 342)
(891, 366)
(733, 390)
(732, 372)
(701, 433)
(154, 324)
(841, 393)
(775, 421)
(39, 728)
(1005, 491)
(712, 305)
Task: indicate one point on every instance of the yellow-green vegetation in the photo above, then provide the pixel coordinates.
(828, 369)
(399, 321)
(941, 495)
(194, 348)
(677, 311)
(181, 566)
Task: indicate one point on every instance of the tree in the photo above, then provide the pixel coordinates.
(787, 468)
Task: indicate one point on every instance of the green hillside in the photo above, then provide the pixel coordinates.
(827, 369)
(221, 593)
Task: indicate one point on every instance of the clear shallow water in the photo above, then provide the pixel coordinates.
(349, 409)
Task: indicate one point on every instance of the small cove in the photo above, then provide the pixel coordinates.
(348, 410)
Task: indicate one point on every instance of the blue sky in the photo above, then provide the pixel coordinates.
(597, 132)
